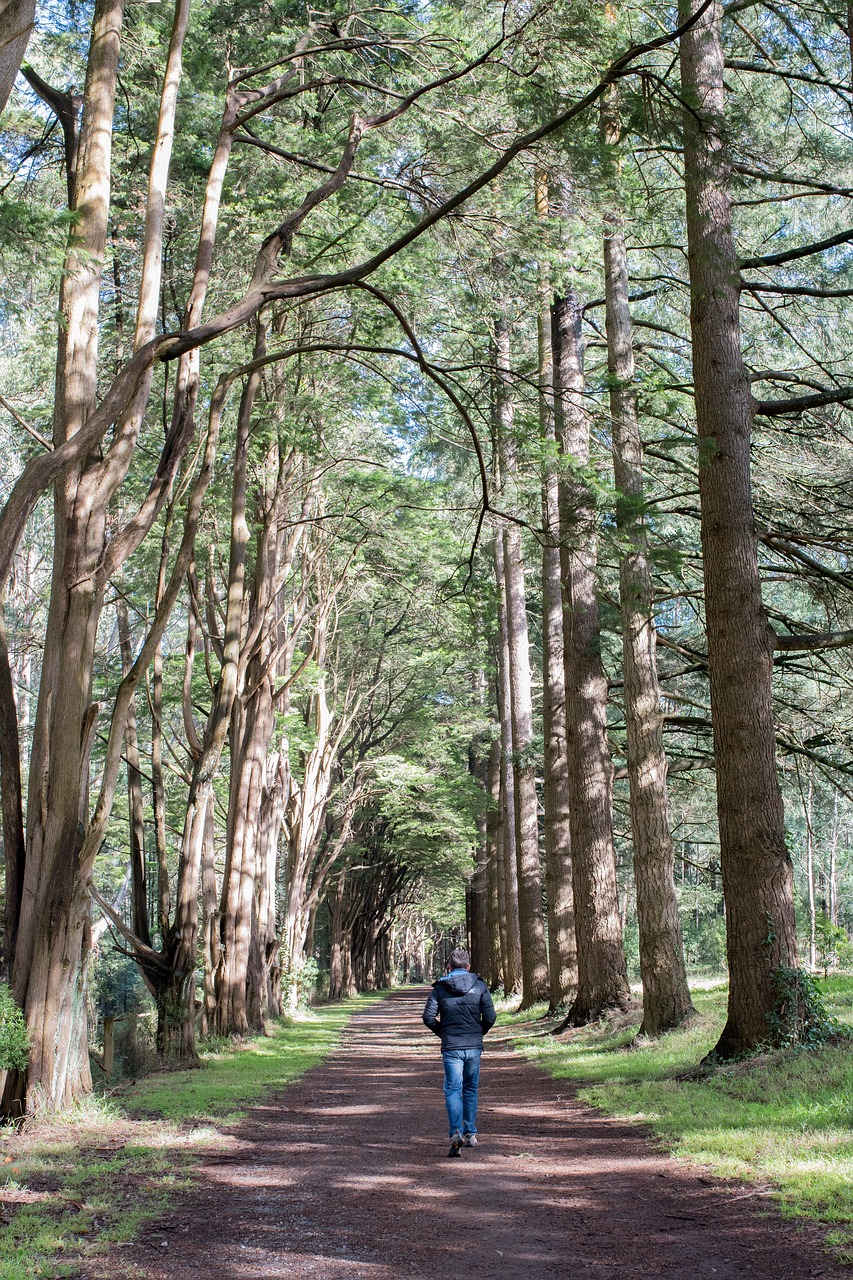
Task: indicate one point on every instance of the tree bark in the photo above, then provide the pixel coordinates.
(334, 902)
(810, 876)
(17, 19)
(531, 923)
(482, 958)
(509, 860)
(250, 743)
(49, 974)
(308, 807)
(176, 1029)
(135, 803)
(516, 704)
(666, 996)
(211, 949)
(14, 848)
(562, 947)
(602, 974)
(497, 787)
(263, 983)
(756, 868)
(495, 927)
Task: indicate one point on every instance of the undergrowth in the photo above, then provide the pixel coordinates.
(782, 1119)
(83, 1184)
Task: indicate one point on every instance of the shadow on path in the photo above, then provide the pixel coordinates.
(345, 1176)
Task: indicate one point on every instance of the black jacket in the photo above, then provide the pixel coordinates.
(460, 1010)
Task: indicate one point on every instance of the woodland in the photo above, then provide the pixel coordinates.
(426, 513)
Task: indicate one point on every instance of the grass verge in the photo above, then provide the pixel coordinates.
(83, 1184)
(783, 1120)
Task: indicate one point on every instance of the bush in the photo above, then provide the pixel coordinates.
(299, 984)
(833, 946)
(800, 1016)
(14, 1042)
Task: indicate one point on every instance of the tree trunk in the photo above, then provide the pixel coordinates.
(833, 858)
(810, 877)
(517, 705)
(534, 954)
(135, 803)
(14, 848)
(158, 786)
(273, 801)
(666, 996)
(756, 869)
(250, 741)
(177, 1033)
(494, 921)
(348, 965)
(210, 946)
(482, 959)
(602, 975)
(17, 19)
(49, 975)
(500, 873)
(509, 860)
(562, 948)
(335, 902)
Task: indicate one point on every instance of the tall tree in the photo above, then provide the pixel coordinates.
(562, 947)
(519, 705)
(666, 996)
(49, 969)
(506, 841)
(602, 973)
(756, 867)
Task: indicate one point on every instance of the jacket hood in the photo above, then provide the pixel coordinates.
(459, 983)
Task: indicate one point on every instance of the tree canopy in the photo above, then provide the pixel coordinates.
(425, 507)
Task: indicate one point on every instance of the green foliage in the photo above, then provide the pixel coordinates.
(14, 1041)
(28, 228)
(705, 941)
(412, 638)
(799, 1016)
(430, 812)
(299, 984)
(833, 946)
(116, 984)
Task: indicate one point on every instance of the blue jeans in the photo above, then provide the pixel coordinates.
(461, 1079)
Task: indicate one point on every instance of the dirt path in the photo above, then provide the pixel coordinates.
(344, 1176)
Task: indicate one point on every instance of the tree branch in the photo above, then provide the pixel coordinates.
(796, 290)
(41, 472)
(813, 641)
(738, 64)
(805, 251)
(798, 404)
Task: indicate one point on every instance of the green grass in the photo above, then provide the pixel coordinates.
(783, 1120)
(230, 1077)
(83, 1183)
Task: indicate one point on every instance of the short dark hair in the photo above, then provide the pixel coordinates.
(459, 958)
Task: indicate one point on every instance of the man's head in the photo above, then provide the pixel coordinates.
(459, 959)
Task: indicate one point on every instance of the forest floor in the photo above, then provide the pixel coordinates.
(344, 1176)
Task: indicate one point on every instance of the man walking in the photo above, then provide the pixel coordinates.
(460, 1010)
